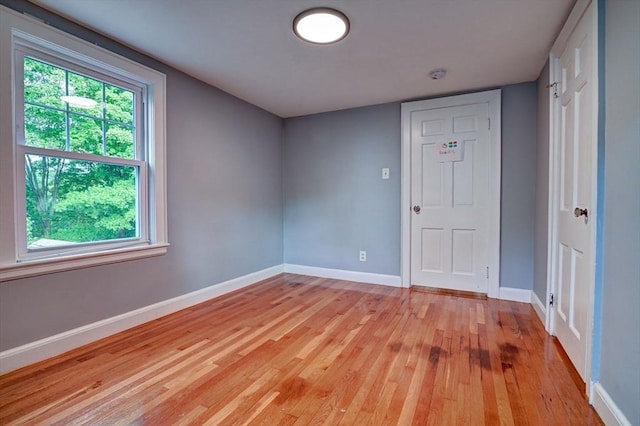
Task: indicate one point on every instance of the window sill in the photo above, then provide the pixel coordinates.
(47, 266)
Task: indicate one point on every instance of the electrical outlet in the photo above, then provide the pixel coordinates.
(363, 256)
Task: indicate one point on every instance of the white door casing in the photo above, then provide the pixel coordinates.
(573, 157)
(453, 242)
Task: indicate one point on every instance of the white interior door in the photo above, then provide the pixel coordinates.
(450, 200)
(574, 204)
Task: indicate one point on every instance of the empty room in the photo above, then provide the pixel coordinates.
(342, 212)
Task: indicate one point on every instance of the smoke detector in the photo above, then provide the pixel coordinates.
(437, 74)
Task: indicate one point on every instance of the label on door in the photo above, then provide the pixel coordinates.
(451, 151)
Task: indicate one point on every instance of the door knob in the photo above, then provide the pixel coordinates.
(416, 209)
(581, 212)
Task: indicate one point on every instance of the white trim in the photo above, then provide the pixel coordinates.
(569, 25)
(54, 345)
(493, 99)
(33, 268)
(606, 407)
(515, 294)
(405, 206)
(341, 274)
(551, 223)
(539, 307)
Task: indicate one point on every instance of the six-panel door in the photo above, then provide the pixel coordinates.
(449, 224)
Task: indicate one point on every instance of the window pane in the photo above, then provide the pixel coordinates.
(71, 201)
(119, 104)
(43, 83)
(44, 127)
(69, 111)
(120, 141)
(85, 135)
(87, 88)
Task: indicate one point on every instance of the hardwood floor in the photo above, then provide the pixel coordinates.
(296, 350)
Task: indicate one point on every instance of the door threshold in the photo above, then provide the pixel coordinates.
(447, 292)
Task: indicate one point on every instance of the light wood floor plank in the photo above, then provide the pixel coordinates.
(297, 350)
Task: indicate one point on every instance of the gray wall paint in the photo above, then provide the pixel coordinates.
(542, 189)
(519, 144)
(224, 173)
(336, 203)
(620, 348)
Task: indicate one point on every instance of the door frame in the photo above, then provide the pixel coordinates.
(578, 11)
(493, 99)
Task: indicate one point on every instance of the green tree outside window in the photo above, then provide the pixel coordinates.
(69, 200)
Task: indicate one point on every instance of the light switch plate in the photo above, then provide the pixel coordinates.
(385, 173)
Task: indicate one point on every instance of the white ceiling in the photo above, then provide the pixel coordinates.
(247, 47)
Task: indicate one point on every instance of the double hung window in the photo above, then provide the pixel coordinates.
(80, 143)
(86, 154)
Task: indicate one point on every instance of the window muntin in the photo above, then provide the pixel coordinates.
(84, 169)
(108, 128)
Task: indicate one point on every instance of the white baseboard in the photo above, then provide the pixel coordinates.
(515, 294)
(340, 274)
(48, 347)
(539, 307)
(606, 408)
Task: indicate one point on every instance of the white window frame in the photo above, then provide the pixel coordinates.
(26, 49)
(19, 36)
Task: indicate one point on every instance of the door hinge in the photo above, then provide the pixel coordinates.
(553, 85)
(489, 123)
(551, 300)
(487, 272)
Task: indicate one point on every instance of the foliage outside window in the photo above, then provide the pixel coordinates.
(82, 172)
(76, 200)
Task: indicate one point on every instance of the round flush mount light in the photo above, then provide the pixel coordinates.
(79, 101)
(321, 25)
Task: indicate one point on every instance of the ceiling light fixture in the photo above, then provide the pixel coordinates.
(321, 25)
(79, 101)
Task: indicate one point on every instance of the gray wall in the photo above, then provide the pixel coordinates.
(336, 204)
(620, 348)
(224, 162)
(519, 145)
(542, 189)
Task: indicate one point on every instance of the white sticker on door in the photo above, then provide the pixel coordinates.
(451, 151)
